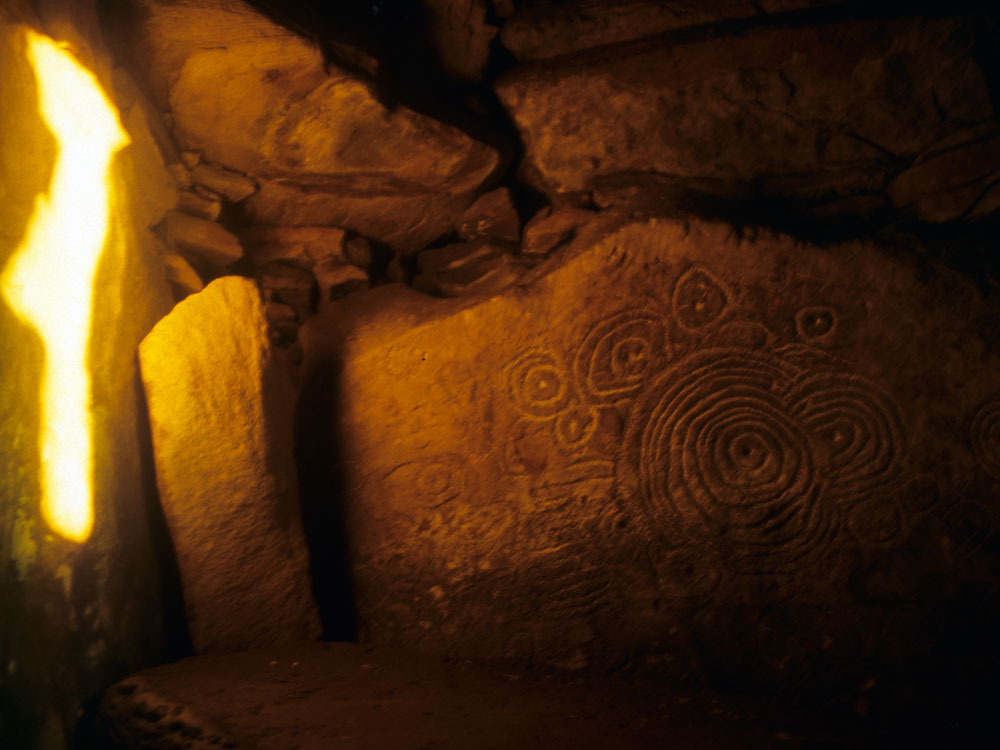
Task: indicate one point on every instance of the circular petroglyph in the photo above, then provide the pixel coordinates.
(760, 455)
(620, 353)
(856, 428)
(538, 385)
(816, 323)
(699, 298)
(713, 453)
(433, 482)
(575, 427)
(986, 436)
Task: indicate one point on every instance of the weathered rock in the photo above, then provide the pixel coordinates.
(219, 413)
(337, 280)
(406, 221)
(196, 204)
(738, 447)
(466, 268)
(551, 30)
(231, 185)
(771, 109)
(203, 238)
(460, 35)
(283, 322)
(948, 182)
(549, 229)
(253, 97)
(303, 245)
(286, 282)
(492, 216)
(181, 275)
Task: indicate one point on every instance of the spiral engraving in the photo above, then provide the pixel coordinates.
(756, 455)
(620, 353)
(986, 436)
(538, 385)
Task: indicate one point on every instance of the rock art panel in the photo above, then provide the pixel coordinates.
(666, 425)
(222, 442)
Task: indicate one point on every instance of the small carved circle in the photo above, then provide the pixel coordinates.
(816, 323)
(538, 385)
(699, 298)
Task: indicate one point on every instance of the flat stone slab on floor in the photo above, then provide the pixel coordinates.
(340, 695)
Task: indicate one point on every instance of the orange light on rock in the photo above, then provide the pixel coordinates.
(49, 281)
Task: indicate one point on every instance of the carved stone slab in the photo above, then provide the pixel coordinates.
(670, 442)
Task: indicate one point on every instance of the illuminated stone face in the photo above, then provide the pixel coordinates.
(49, 281)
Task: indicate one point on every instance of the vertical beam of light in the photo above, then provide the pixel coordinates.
(49, 281)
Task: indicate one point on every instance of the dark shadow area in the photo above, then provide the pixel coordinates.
(321, 490)
(177, 639)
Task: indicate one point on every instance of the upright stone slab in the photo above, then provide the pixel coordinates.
(670, 448)
(222, 435)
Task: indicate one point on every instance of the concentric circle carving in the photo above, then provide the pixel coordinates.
(620, 353)
(538, 385)
(699, 298)
(753, 454)
(816, 323)
(855, 426)
(986, 436)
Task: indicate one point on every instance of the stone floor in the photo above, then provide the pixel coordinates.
(348, 696)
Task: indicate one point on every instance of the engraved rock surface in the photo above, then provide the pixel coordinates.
(670, 447)
(218, 407)
(785, 110)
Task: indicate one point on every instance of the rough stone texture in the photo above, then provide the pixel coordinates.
(204, 239)
(253, 97)
(343, 695)
(466, 268)
(670, 449)
(196, 204)
(546, 31)
(181, 275)
(492, 215)
(303, 245)
(460, 35)
(233, 186)
(809, 111)
(218, 405)
(76, 617)
(549, 229)
(952, 180)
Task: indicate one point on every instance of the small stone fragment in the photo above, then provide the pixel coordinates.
(493, 216)
(548, 229)
(304, 245)
(222, 436)
(283, 321)
(181, 275)
(358, 252)
(196, 204)
(337, 280)
(190, 159)
(282, 281)
(206, 239)
(231, 185)
(466, 268)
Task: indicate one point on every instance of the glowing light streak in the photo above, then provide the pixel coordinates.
(49, 281)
